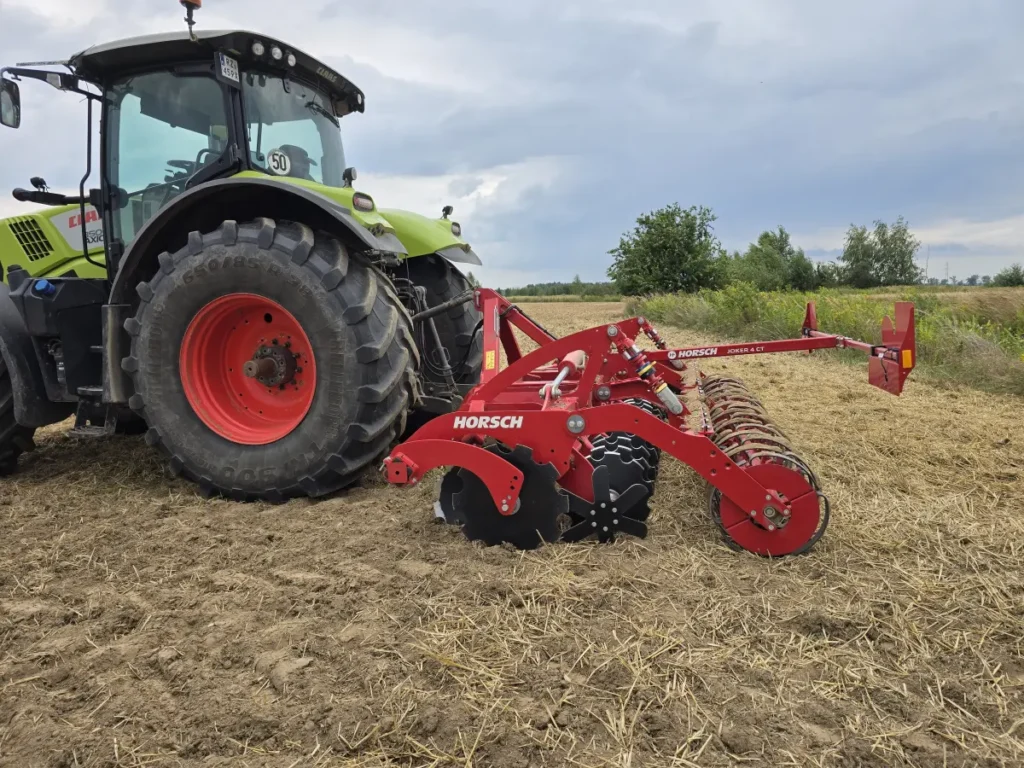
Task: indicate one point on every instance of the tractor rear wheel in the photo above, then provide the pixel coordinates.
(14, 438)
(269, 362)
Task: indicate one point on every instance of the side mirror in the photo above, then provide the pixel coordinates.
(447, 211)
(10, 104)
(348, 176)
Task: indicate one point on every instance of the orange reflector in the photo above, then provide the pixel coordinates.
(908, 358)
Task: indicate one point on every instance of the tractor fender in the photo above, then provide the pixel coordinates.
(204, 207)
(31, 406)
(422, 236)
(461, 254)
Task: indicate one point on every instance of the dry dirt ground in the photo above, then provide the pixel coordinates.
(143, 625)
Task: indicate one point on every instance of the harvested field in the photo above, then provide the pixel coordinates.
(143, 625)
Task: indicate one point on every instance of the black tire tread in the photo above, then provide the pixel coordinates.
(456, 328)
(383, 329)
(14, 438)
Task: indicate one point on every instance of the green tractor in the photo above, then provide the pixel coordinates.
(225, 289)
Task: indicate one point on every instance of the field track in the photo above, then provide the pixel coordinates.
(143, 625)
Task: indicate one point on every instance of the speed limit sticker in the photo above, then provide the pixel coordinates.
(279, 163)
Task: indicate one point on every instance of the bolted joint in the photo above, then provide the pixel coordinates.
(603, 393)
(576, 424)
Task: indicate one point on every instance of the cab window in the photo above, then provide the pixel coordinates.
(163, 128)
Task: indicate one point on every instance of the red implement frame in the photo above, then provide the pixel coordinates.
(552, 399)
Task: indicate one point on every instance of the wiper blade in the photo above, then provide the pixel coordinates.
(314, 107)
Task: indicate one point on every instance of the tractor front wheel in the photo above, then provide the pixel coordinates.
(269, 363)
(461, 340)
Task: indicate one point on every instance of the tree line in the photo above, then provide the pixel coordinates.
(576, 288)
(676, 250)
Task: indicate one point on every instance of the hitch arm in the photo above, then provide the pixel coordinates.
(888, 367)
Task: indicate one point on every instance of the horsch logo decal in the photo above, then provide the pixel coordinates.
(488, 422)
(679, 354)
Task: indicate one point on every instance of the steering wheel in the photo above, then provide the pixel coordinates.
(176, 183)
(185, 165)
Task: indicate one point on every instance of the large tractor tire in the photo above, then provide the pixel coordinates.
(269, 362)
(457, 327)
(14, 438)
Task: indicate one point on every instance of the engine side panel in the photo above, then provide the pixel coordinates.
(48, 243)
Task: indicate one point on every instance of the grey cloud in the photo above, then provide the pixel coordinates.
(465, 187)
(846, 113)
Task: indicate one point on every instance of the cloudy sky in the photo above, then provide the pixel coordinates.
(551, 125)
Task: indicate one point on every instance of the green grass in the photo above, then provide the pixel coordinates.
(974, 336)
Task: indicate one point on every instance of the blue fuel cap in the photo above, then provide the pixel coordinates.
(45, 288)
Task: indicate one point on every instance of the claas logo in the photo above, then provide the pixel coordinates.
(76, 219)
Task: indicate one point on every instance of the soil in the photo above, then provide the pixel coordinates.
(143, 625)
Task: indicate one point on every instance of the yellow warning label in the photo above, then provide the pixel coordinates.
(489, 360)
(908, 358)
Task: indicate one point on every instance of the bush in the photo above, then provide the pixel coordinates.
(1011, 277)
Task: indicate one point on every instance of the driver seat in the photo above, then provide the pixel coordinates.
(300, 160)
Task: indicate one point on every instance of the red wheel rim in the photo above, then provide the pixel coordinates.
(247, 409)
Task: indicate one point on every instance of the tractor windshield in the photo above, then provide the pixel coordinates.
(292, 130)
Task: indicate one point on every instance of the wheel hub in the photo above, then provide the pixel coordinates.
(273, 366)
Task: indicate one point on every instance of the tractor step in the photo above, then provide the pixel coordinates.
(93, 418)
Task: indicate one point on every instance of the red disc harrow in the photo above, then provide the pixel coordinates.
(564, 442)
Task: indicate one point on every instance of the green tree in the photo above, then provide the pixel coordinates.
(859, 259)
(471, 279)
(973, 279)
(1011, 277)
(884, 256)
(986, 279)
(670, 250)
(773, 264)
(828, 275)
(897, 248)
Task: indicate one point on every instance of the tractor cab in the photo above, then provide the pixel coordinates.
(184, 108)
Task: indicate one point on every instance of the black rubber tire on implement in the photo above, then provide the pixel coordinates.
(358, 330)
(455, 327)
(14, 438)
